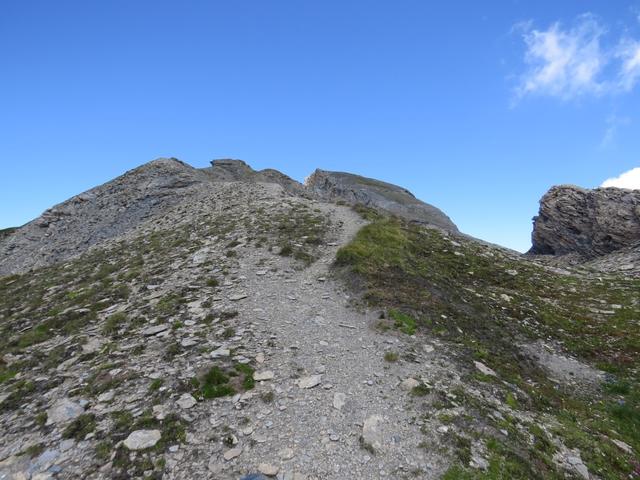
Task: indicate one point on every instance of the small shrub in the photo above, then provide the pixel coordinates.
(80, 427)
(215, 384)
(156, 384)
(113, 323)
(391, 357)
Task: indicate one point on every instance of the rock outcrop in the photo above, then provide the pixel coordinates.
(355, 189)
(230, 170)
(590, 223)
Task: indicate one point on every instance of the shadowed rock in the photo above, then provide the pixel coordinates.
(586, 222)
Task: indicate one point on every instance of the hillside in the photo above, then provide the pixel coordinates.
(224, 322)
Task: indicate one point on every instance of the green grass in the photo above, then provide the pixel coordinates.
(215, 384)
(405, 323)
(426, 284)
(156, 384)
(114, 323)
(80, 427)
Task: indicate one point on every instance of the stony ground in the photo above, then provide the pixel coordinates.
(220, 341)
(330, 405)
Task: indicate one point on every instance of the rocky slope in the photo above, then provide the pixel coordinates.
(355, 189)
(589, 223)
(146, 192)
(241, 329)
(99, 214)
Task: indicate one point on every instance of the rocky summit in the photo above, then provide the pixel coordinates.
(228, 323)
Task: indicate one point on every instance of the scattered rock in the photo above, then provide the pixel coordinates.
(262, 376)
(268, 469)
(238, 296)
(310, 382)
(150, 331)
(220, 352)
(409, 384)
(232, 453)
(339, 400)
(142, 439)
(186, 401)
(623, 446)
(372, 432)
(484, 369)
(63, 410)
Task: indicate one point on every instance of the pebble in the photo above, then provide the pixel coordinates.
(339, 399)
(268, 469)
(232, 453)
(484, 369)
(310, 382)
(262, 376)
(186, 401)
(409, 384)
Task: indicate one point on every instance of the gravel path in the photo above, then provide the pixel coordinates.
(311, 335)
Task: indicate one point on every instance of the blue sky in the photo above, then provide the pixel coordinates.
(476, 107)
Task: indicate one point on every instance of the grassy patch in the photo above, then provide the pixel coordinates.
(485, 301)
(80, 427)
(390, 357)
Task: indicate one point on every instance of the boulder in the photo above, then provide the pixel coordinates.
(586, 222)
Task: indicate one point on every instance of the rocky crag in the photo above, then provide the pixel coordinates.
(225, 323)
(589, 223)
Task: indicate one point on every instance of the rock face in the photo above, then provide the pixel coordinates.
(586, 222)
(369, 192)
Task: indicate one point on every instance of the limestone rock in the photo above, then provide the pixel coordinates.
(372, 432)
(63, 410)
(262, 376)
(339, 399)
(142, 439)
(186, 401)
(310, 382)
(484, 369)
(232, 453)
(409, 384)
(586, 222)
(268, 469)
(369, 192)
(154, 330)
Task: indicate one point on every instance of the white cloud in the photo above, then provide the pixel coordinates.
(630, 179)
(564, 63)
(629, 54)
(575, 61)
